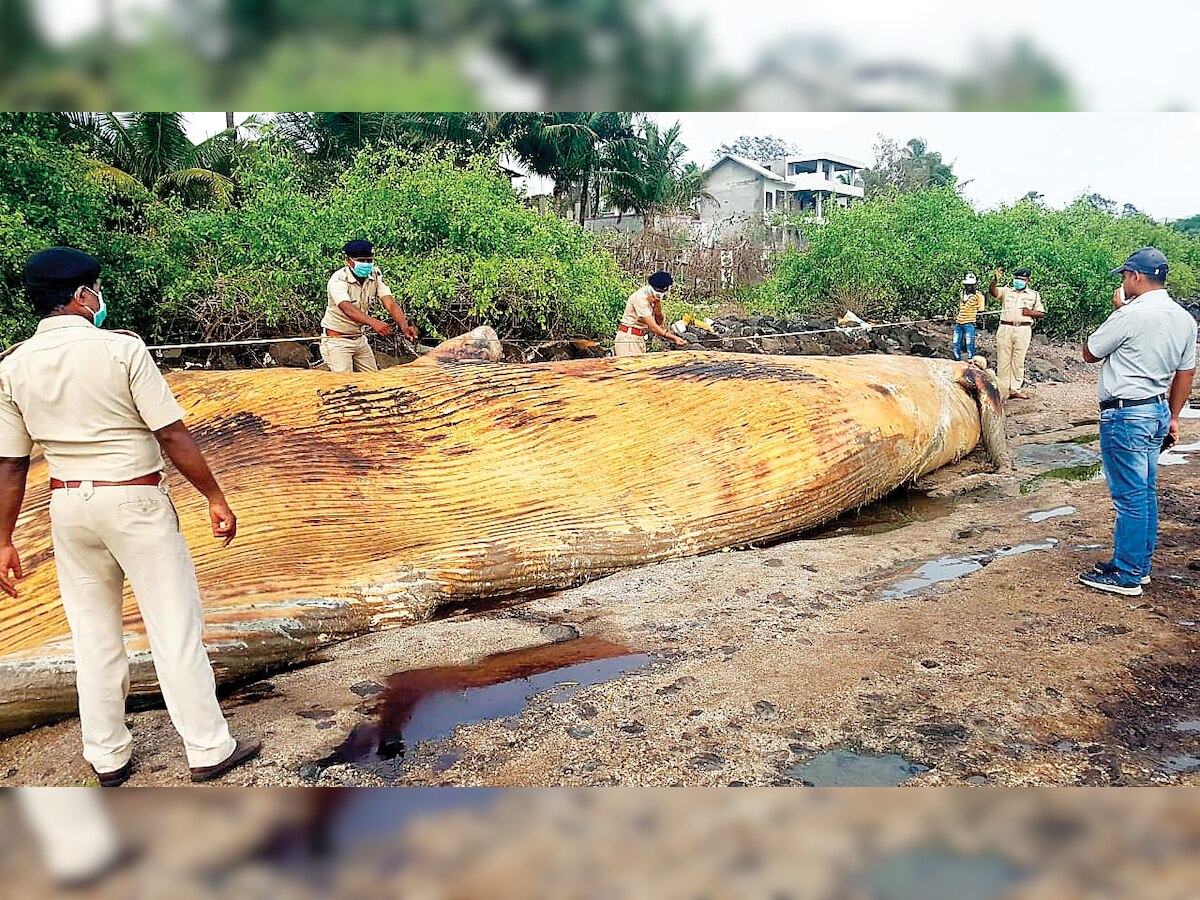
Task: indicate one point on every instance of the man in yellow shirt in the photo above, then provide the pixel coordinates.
(970, 305)
(1020, 306)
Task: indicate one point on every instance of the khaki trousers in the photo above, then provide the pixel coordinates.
(348, 354)
(627, 344)
(73, 828)
(103, 535)
(1012, 343)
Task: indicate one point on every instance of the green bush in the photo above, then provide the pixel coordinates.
(455, 244)
(904, 255)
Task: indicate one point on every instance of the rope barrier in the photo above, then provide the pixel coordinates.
(866, 326)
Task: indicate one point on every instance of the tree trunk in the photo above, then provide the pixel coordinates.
(229, 123)
(583, 197)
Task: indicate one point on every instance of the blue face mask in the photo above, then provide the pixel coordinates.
(363, 269)
(1019, 283)
(100, 314)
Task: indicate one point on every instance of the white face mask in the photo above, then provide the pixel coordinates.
(654, 292)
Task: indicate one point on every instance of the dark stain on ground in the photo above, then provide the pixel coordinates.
(718, 369)
(429, 704)
(1179, 505)
(1145, 721)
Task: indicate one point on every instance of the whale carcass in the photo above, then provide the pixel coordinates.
(366, 501)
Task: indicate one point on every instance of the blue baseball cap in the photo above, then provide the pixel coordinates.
(1148, 261)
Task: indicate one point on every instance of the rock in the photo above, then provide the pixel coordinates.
(765, 709)
(367, 688)
(579, 732)
(557, 633)
(675, 687)
(632, 728)
(386, 360)
(315, 713)
(946, 731)
(291, 354)
(708, 762)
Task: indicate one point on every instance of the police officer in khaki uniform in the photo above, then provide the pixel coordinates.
(104, 416)
(352, 290)
(1020, 305)
(643, 313)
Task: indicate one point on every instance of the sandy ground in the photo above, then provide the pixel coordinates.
(762, 658)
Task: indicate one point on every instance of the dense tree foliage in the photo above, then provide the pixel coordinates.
(454, 241)
(904, 254)
(912, 167)
(758, 147)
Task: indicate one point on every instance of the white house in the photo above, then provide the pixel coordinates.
(744, 191)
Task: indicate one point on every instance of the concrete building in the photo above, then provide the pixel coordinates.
(745, 193)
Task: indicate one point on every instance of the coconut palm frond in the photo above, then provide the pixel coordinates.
(115, 180)
(197, 182)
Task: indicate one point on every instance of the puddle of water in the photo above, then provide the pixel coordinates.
(898, 509)
(937, 874)
(1178, 765)
(429, 704)
(1043, 458)
(845, 768)
(1190, 412)
(1042, 515)
(1188, 726)
(1177, 455)
(949, 568)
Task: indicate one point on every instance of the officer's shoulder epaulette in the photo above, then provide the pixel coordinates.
(132, 334)
(4, 354)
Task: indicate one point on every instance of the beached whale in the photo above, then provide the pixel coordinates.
(367, 500)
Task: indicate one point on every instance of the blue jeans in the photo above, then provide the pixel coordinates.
(1130, 442)
(964, 334)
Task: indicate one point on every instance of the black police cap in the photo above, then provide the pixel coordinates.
(61, 267)
(358, 248)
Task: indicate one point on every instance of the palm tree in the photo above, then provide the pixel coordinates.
(133, 153)
(646, 175)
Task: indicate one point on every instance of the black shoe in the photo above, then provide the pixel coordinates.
(241, 753)
(115, 778)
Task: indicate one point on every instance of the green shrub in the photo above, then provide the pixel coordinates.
(455, 244)
(904, 255)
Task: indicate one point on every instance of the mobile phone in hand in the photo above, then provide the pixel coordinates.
(1168, 443)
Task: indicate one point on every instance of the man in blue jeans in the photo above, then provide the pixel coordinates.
(1148, 350)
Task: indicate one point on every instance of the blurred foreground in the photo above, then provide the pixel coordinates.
(958, 843)
(557, 54)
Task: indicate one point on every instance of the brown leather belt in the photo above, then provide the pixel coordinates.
(155, 478)
(1017, 324)
(329, 333)
(629, 329)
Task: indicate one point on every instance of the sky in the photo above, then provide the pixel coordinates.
(1147, 159)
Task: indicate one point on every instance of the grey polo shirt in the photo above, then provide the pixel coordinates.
(1143, 344)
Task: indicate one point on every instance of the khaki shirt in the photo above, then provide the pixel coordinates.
(1013, 301)
(640, 304)
(92, 398)
(343, 287)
